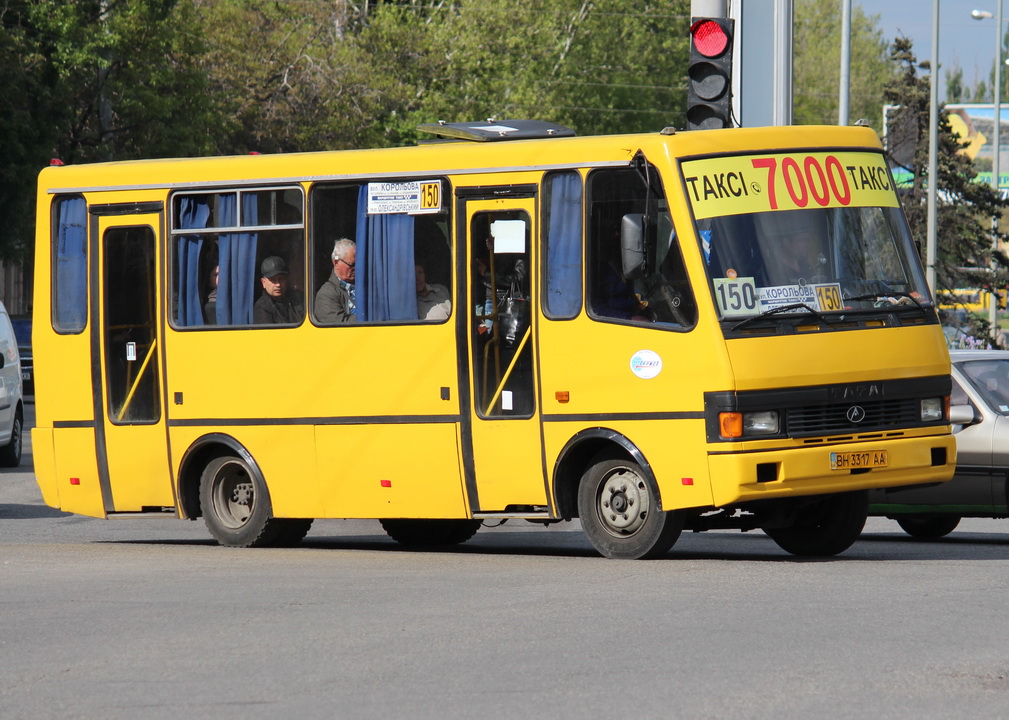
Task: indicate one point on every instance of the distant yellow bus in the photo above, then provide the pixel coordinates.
(971, 299)
(649, 333)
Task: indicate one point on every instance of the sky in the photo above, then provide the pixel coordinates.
(963, 40)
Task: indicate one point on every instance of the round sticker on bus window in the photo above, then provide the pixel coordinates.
(646, 364)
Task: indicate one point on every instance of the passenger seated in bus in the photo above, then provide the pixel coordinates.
(278, 304)
(335, 300)
(210, 305)
(616, 297)
(433, 300)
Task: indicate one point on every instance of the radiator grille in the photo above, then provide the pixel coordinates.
(833, 419)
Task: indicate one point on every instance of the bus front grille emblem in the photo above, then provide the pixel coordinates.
(856, 414)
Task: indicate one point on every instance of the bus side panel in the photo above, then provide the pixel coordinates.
(285, 454)
(356, 371)
(670, 434)
(77, 480)
(391, 471)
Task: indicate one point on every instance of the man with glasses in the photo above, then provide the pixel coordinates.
(335, 301)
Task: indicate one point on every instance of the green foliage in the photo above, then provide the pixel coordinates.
(94, 81)
(325, 75)
(964, 251)
(817, 62)
(607, 66)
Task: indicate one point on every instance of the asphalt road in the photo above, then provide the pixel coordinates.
(149, 619)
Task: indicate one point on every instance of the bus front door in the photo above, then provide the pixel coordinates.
(502, 450)
(132, 440)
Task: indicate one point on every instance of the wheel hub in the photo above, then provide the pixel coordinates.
(623, 503)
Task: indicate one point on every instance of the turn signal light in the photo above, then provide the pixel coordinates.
(730, 424)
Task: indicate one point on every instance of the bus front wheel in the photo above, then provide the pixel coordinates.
(236, 508)
(621, 513)
(826, 527)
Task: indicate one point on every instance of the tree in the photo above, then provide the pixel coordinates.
(599, 66)
(964, 254)
(817, 62)
(333, 74)
(94, 80)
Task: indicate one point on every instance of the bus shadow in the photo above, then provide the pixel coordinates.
(725, 547)
(15, 511)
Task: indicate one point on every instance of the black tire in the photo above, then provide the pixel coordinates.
(827, 527)
(291, 531)
(924, 527)
(236, 506)
(430, 532)
(10, 454)
(621, 512)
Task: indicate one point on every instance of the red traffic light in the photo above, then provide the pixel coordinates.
(709, 38)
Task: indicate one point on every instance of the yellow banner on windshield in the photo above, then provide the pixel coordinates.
(787, 181)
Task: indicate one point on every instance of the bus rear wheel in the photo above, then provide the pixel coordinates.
(621, 513)
(923, 527)
(236, 508)
(827, 527)
(430, 532)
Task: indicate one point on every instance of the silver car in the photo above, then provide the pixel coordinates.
(980, 415)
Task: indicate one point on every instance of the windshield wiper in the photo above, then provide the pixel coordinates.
(780, 309)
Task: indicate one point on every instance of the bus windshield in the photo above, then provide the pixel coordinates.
(813, 235)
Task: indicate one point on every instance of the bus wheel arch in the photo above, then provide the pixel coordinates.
(200, 454)
(578, 455)
(221, 481)
(600, 466)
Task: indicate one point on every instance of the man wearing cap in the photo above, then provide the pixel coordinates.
(278, 305)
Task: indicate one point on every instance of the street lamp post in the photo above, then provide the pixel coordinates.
(996, 149)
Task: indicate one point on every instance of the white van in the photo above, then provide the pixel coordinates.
(12, 411)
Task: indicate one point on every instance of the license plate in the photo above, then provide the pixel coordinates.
(858, 460)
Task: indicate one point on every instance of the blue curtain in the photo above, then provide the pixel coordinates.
(564, 246)
(386, 275)
(193, 213)
(237, 259)
(70, 313)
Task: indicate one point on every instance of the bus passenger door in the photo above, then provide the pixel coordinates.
(130, 425)
(502, 451)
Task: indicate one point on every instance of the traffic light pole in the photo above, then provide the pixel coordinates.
(708, 8)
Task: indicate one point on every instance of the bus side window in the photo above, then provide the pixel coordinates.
(389, 248)
(562, 237)
(70, 266)
(661, 292)
(219, 242)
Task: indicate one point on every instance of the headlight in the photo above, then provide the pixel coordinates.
(933, 409)
(738, 424)
(760, 423)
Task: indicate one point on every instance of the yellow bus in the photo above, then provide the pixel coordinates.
(973, 300)
(649, 333)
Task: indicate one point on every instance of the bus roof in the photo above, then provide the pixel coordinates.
(445, 158)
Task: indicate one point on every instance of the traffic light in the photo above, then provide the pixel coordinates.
(709, 78)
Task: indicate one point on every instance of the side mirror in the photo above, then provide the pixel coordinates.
(632, 245)
(962, 415)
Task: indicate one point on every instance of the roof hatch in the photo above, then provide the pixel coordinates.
(494, 130)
